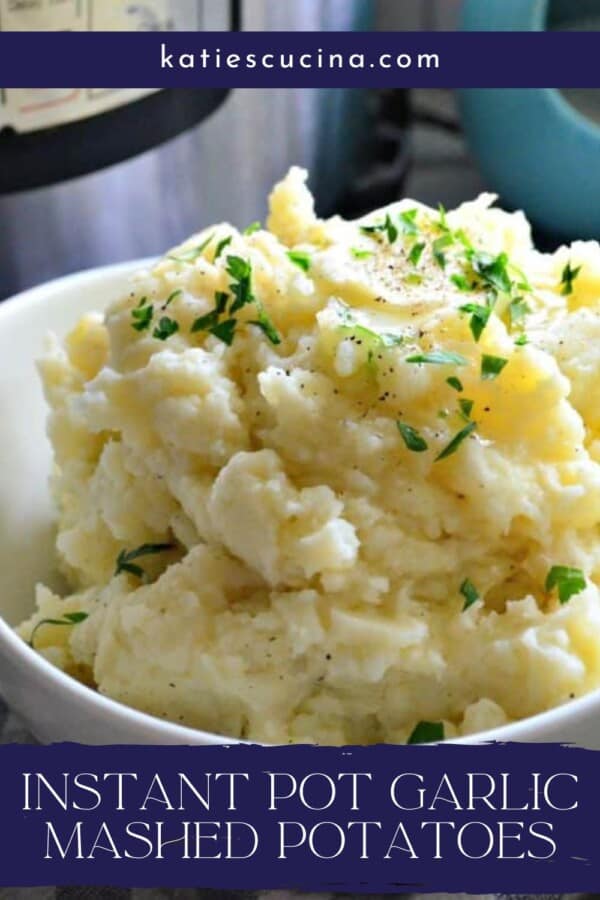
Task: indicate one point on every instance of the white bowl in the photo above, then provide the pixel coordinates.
(54, 706)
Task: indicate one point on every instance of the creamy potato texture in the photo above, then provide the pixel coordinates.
(331, 480)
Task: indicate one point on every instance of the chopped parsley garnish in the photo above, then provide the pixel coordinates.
(567, 279)
(224, 330)
(203, 323)
(491, 366)
(390, 229)
(522, 340)
(439, 245)
(221, 298)
(480, 316)
(252, 228)
(391, 340)
(207, 321)
(266, 326)
(413, 278)
(462, 282)
(412, 438)
(416, 253)
(72, 618)
(241, 288)
(456, 441)
(221, 246)
(241, 272)
(461, 236)
(360, 333)
(466, 407)
(569, 582)
(427, 733)
(522, 283)
(357, 253)
(193, 253)
(125, 558)
(493, 270)
(387, 227)
(442, 221)
(172, 297)
(408, 221)
(438, 358)
(517, 310)
(300, 259)
(165, 328)
(469, 592)
(455, 383)
(142, 315)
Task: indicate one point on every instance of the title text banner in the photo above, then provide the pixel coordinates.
(514, 818)
(299, 59)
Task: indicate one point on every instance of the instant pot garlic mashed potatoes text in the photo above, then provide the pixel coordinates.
(334, 481)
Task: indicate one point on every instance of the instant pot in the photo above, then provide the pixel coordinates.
(228, 149)
(538, 147)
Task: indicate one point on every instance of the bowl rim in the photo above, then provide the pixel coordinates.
(174, 733)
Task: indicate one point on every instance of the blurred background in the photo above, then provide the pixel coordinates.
(160, 165)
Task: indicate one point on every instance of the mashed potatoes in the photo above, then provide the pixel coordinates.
(334, 481)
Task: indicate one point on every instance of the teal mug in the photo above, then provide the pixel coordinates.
(534, 146)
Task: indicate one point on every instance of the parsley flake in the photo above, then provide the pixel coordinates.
(165, 328)
(71, 618)
(241, 271)
(221, 298)
(461, 236)
(387, 227)
(427, 733)
(480, 316)
(522, 283)
(252, 228)
(391, 340)
(221, 246)
(357, 253)
(567, 279)
(462, 283)
(470, 593)
(193, 253)
(438, 358)
(517, 310)
(493, 270)
(224, 331)
(172, 297)
(412, 438)
(569, 582)
(456, 441)
(266, 326)
(210, 319)
(362, 333)
(125, 558)
(466, 407)
(416, 252)
(522, 340)
(442, 220)
(142, 316)
(455, 383)
(408, 221)
(491, 366)
(439, 245)
(300, 259)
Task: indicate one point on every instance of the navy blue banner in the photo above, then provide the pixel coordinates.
(300, 59)
(513, 818)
